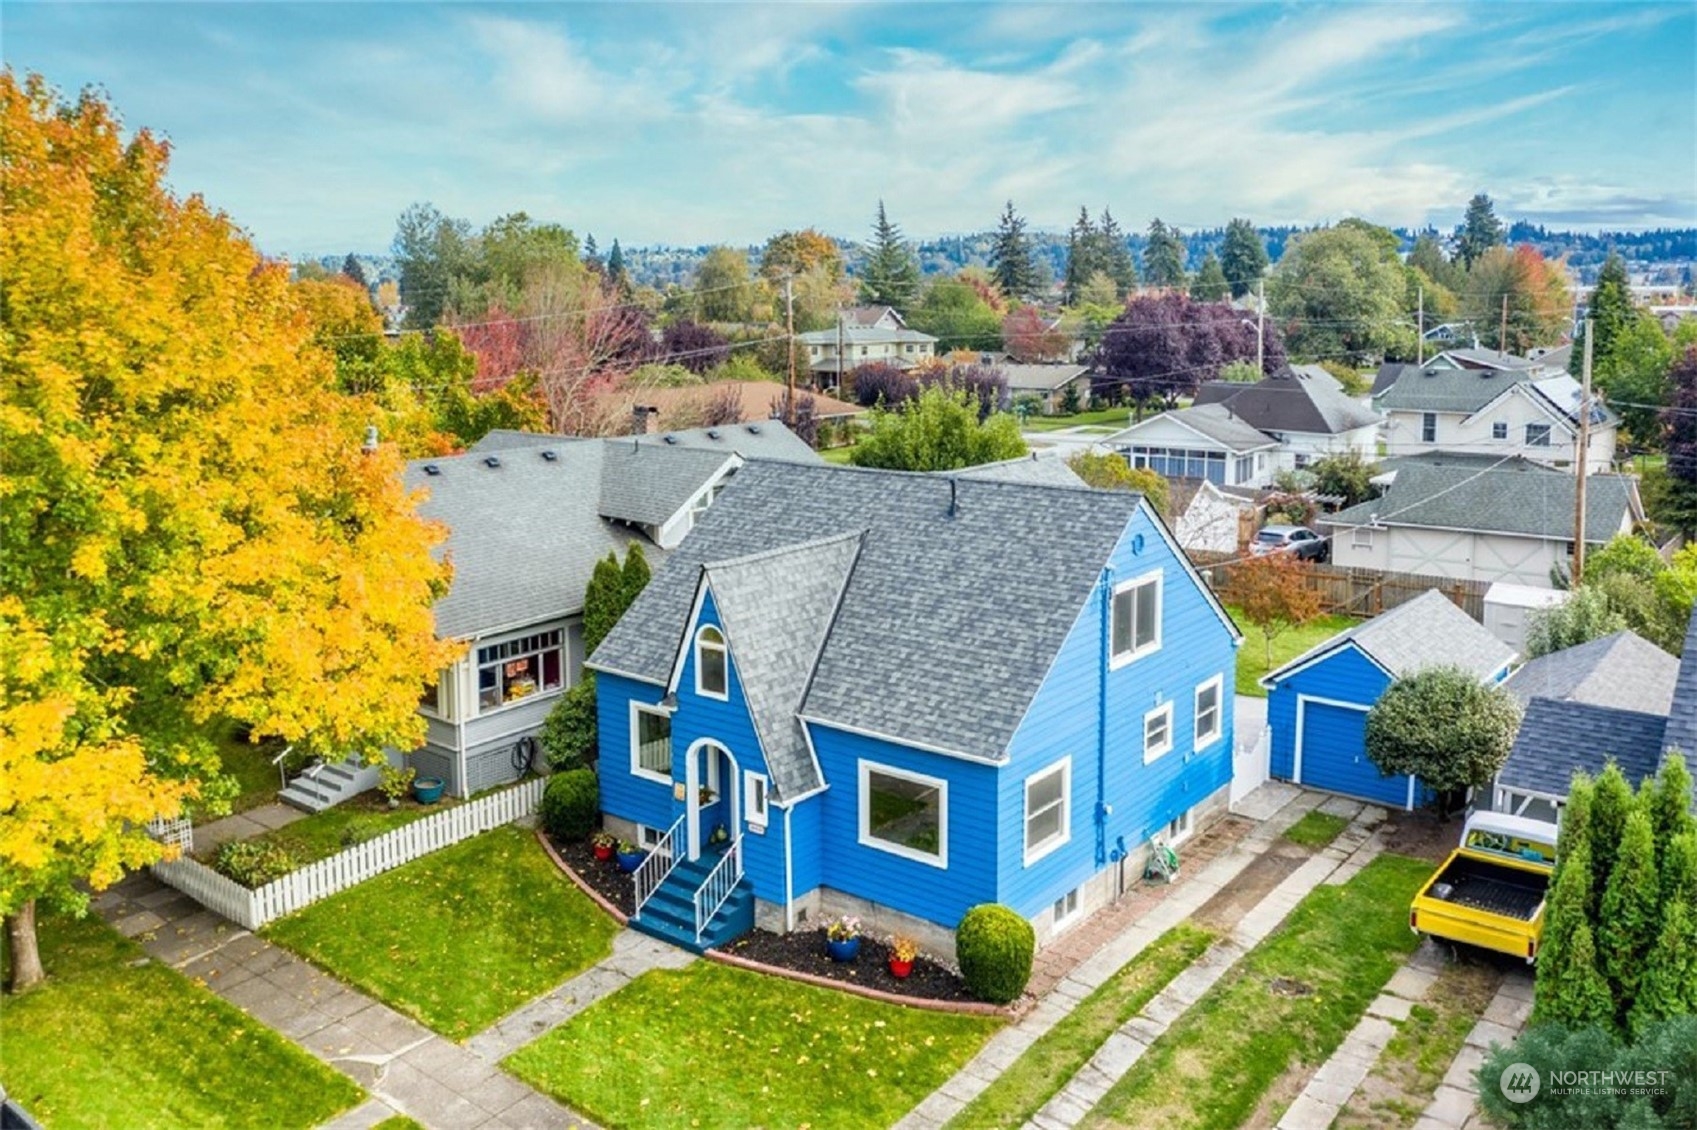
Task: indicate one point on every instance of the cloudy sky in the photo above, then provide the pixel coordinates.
(315, 124)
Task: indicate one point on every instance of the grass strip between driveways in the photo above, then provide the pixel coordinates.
(1292, 998)
(114, 1039)
(710, 1046)
(1044, 1068)
(1316, 829)
(459, 938)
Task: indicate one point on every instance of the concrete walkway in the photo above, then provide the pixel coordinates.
(1354, 848)
(404, 1066)
(244, 826)
(1455, 1106)
(1277, 806)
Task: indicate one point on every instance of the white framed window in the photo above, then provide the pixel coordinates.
(438, 696)
(904, 813)
(1136, 614)
(1361, 537)
(754, 798)
(1209, 712)
(711, 663)
(517, 668)
(1428, 427)
(1537, 435)
(1178, 828)
(650, 743)
(1048, 810)
(1301, 461)
(1499, 430)
(649, 837)
(1157, 732)
(1066, 908)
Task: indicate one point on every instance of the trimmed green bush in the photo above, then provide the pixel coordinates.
(995, 945)
(569, 804)
(568, 735)
(254, 863)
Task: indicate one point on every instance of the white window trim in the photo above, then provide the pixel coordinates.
(940, 860)
(1062, 837)
(1115, 662)
(724, 645)
(1069, 917)
(1218, 682)
(1361, 537)
(539, 695)
(636, 710)
(1187, 828)
(1150, 755)
(753, 784)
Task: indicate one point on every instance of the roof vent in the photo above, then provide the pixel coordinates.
(713, 433)
(491, 460)
(549, 454)
(754, 429)
(432, 469)
(669, 439)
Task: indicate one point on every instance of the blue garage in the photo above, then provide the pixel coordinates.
(1317, 703)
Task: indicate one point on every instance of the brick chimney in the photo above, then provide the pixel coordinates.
(642, 419)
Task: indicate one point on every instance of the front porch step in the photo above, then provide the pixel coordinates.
(331, 785)
(670, 914)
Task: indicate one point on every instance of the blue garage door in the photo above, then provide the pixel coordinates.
(1334, 756)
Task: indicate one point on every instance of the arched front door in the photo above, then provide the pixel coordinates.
(711, 781)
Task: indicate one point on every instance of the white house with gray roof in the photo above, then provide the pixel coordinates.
(864, 334)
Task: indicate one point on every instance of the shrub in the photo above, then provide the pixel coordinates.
(254, 863)
(995, 946)
(569, 804)
(569, 733)
(1668, 1047)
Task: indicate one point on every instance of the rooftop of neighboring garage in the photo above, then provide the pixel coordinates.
(1428, 631)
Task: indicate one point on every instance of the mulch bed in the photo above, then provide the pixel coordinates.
(616, 886)
(804, 952)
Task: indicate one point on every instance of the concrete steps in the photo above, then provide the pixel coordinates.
(319, 788)
(670, 914)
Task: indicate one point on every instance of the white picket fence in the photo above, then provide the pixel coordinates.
(254, 908)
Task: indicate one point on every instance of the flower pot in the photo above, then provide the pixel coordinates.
(630, 860)
(428, 790)
(603, 852)
(844, 950)
(900, 968)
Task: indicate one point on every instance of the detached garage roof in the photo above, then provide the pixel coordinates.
(1428, 631)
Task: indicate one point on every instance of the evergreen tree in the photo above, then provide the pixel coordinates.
(1669, 985)
(592, 253)
(634, 576)
(1116, 254)
(603, 601)
(616, 266)
(890, 276)
(1574, 837)
(1567, 977)
(1630, 914)
(1243, 257)
(1670, 803)
(1210, 283)
(1480, 230)
(1679, 431)
(1679, 871)
(1578, 993)
(352, 269)
(1610, 803)
(1082, 259)
(1427, 256)
(1163, 256)
(1610, 310)
(1010, 257)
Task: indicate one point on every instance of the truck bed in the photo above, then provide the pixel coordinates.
(1492, 888)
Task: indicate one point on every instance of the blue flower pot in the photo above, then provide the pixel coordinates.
(428, 790)
(843, 951)
(630, 860)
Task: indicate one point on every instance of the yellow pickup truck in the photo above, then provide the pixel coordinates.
(1490, 892)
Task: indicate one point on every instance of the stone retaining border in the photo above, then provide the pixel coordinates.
(600, 900)
(972, 1008)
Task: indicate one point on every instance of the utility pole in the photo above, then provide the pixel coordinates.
(789, 318)
(1260, 328)
(1502, 334)
(1581, 458)
(842, 369)
(1420, 327)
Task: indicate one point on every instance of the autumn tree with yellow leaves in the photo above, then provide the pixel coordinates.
(190, 531)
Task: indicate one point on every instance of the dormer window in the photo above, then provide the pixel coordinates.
(711, 662)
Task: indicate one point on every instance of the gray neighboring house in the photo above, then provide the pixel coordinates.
(1205, 442)
(1561, 736)
(528, 517)
(1478, 518)
(1046, 383)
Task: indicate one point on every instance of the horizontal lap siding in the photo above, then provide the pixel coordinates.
(623, 795)
(908, 885)
(1196, 645)
(1346, 676)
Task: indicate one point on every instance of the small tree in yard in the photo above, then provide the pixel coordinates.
(1631, 909)
(570, 733)
(1582, 617)
(1275, 596)
(1347, 476)
(1444, 726)
(1573, 991)
(940, 431)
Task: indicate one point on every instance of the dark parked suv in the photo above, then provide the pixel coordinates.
(1300, 540)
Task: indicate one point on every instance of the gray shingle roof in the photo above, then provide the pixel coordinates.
(1290, 401)
(758, 439)
(1215, 421)
(647, 484)
(1428, 631)
(506, 439)
(1442, 389)
(1045, 378)
(1682, 713)
(1556, 738)
(1622, 670)
(948, 623)
(523, 535)
(1040, 470)
(776, 609)
(1516, 496)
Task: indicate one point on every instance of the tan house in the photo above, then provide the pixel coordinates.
(863, 334)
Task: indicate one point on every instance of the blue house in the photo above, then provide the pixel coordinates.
(1317, 703)
(898, 696)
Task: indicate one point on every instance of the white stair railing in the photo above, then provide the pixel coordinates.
(651, 872)
(718, 887)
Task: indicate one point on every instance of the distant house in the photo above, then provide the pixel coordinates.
(1452, 333)
(1047, 383)
(1210, 518)
(863, 334)
(528, 516)
(1317, 703)
(1478, 518)
(681, 407)
(1488, 403)
(1243, 435)
(901, 695)
(1611, 698)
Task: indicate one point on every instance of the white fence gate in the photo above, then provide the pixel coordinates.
(1251, 765)
(254, 908)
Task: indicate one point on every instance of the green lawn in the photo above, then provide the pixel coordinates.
(1287, 645)
(711, 1046)
(113, 1039)
(839, 455)
(250, 765)
(1021, 1090)
(1292, 999)
(1316, 829)
(355, 821)
(459, 938)
(1103, 417)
